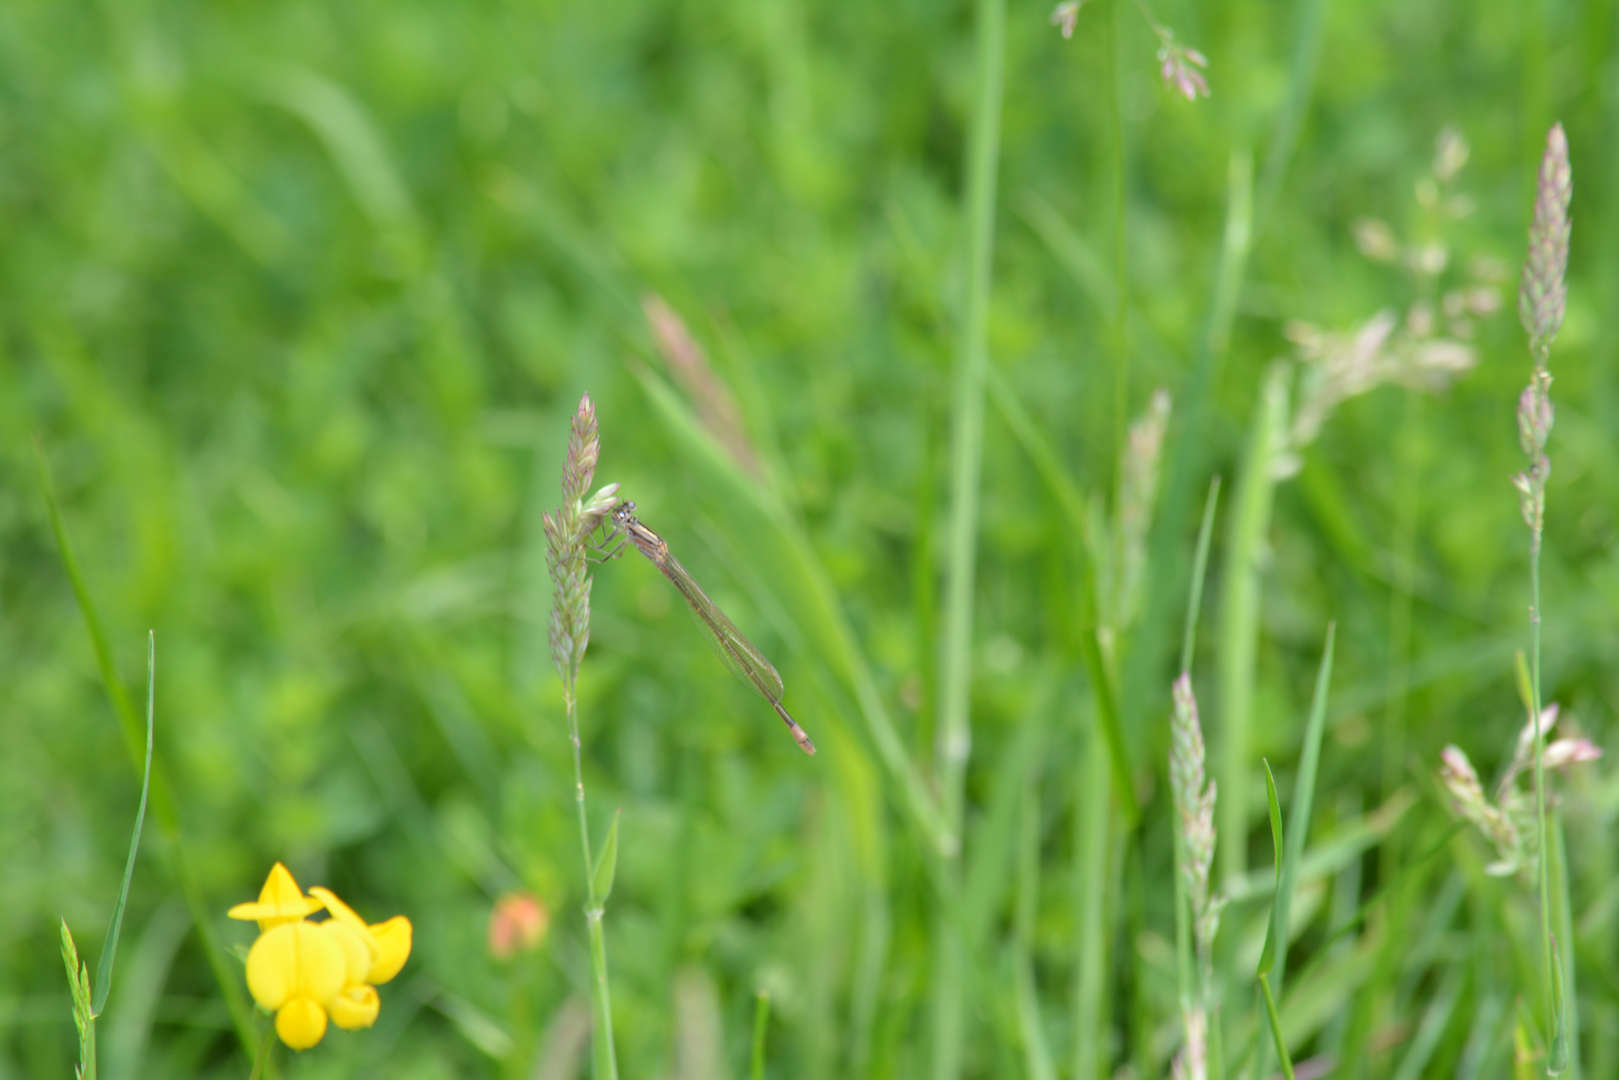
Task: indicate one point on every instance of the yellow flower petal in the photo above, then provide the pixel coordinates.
(295, 960)
(301, 1023)
(357, 949)
(356, 1008)
(390, 941)
(280, 902)
(393, 948)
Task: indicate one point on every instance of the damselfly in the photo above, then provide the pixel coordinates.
(739, 654)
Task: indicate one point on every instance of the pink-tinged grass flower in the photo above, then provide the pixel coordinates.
(1181, 67)
(1065, 16)
(517, 924)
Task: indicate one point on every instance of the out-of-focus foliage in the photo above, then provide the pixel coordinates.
(299, 299)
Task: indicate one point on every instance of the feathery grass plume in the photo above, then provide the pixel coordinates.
(1509, 821)
(1180, 66)
(1194, 797)
(1122, 567)
(78, 977)
(1385, 348)
(716, 407)
(1542, 295)
(567, 530)
(1065, 15)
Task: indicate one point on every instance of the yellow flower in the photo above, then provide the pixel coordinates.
(373, 954)
(307, 973)
(296, 970)
(280, 902)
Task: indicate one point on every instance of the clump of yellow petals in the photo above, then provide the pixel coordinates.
(307, 972)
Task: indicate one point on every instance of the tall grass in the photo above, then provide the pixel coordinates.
(303, 315)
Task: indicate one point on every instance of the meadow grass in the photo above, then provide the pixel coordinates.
(874, 304)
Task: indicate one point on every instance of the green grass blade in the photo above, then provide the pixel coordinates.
(601, 877)
(1267, 956)
(1563, 943)
(1038, 446)
(1303, 804)
(1557, 1057)
(110, 682)
(1193, 402)
(1098, 894)
(761, 1022)
(225, 974)
(110, 950)
(1301, 80)
(1200, 565)
(1431, 1029)
(1037, 1060)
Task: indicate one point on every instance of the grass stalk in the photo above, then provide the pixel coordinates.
(1299, 822)
(1092, 883)
(1119, 329)
(1245, 558)
(1273, 933)
(761, 1023)
(567, 531)
(1037, 444)
(1192, 404)
(1031, 1027)
(1275, 1030)
(1541, 298)
(954, 739)
(226, 974)
(1565, 939)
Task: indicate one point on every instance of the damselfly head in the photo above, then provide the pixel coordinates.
(623, 512)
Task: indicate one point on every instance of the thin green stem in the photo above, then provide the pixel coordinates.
(1540, 774)
(1121, 316)
(1092, 880)
(261, 1060)
(1405, 532)
(761, 1023)
(604, 1065)
(1565, 939)
(1276, 1028)
(966, 467)
(162, 798)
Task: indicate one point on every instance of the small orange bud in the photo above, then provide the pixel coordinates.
(517, 924)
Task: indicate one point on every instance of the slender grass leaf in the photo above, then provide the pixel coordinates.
(1200, 565)
(110, 950)
(761, 1021)
(1267, 956)
(1303, 803)
(1557, 1055)
(601, 878)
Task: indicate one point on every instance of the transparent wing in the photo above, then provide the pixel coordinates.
(740, 655)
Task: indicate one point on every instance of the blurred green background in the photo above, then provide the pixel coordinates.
(299, 299)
